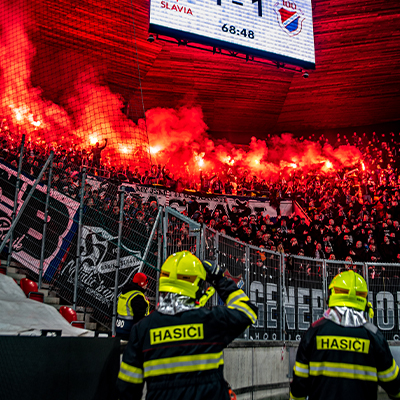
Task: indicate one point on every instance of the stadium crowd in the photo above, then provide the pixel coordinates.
(348, 215)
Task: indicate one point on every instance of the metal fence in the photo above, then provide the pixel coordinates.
(180, 233)
(118, 237)
(85, 242)
(291, 291)
(86, 237)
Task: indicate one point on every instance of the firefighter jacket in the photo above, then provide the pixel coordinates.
(181, 356)
(132, 307)
(341, 362)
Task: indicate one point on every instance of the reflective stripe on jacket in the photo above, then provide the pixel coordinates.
(181, 356)
(124, 309)
(337, 362)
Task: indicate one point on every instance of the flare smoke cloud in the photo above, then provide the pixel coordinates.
(89, 112)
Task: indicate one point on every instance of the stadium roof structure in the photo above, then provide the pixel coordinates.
(356, 81)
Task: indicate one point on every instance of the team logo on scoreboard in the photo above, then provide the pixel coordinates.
(290, 17)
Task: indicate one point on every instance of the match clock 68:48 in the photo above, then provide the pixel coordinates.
(233, 30)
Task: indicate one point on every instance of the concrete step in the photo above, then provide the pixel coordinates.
(44, 291)
(16, 276)
(91, 325)
(83, 317)
(13, 270)
(45, 285)
(12, 263)
(83, 309)
(52, 300)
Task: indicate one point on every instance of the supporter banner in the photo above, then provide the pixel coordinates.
(214, 202)
(98, 262)
(28, 232)
(97, 269)
(299, 211)
(304, 305)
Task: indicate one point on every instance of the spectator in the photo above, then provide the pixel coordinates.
(96, 154)
(340, 218)
(387, 250)
(319, 253)
(309, 247)
(358, 253)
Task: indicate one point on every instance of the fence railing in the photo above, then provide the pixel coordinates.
(88, 246)
(291, 291)
(85, 250)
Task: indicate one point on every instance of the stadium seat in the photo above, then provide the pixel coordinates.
(3, 270)
(68, 313)
(78, 324)
(28, 286)
(37, 296)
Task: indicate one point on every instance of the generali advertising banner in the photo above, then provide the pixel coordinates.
(303, 305)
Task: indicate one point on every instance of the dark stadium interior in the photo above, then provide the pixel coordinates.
(356, 82)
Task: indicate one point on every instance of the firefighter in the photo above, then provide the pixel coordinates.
(342, 356)
(132, 305)
(178, 349)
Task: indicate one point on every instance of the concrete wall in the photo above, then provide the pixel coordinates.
(259, 370)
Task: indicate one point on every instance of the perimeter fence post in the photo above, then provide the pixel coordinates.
(199, 237)
(247, 280)
(282, 297)
(281, 311)
(160, 235)
(324, 283)
(217, 247)
(202, 242)
(247, 270)
(46, 213)
(78, 245)
(366, 277)
(165, 234)
(147, 249)
(21, 155)
(120, 225)
(365, 273)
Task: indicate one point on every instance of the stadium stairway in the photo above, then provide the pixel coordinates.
(15, 271)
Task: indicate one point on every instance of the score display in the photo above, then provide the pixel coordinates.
(280, 30)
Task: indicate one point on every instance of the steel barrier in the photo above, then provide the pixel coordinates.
(291, 291)
(180, 233)
(117, 236)
(86, 238)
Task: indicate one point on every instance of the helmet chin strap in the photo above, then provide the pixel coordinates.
(206, 296)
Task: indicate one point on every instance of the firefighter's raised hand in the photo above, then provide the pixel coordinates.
(213, 270)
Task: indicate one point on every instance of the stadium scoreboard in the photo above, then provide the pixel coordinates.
(271, 29)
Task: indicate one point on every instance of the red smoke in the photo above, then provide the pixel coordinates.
(91, 113)
(177, 138)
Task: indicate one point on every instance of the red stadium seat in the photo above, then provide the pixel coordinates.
(68, 313)
(3, 270)
(78, 324)
(37, 296)
(28, 286)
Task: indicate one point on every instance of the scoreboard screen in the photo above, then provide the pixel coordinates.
(280, 30)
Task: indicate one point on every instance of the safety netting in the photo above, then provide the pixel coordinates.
(62, 83)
